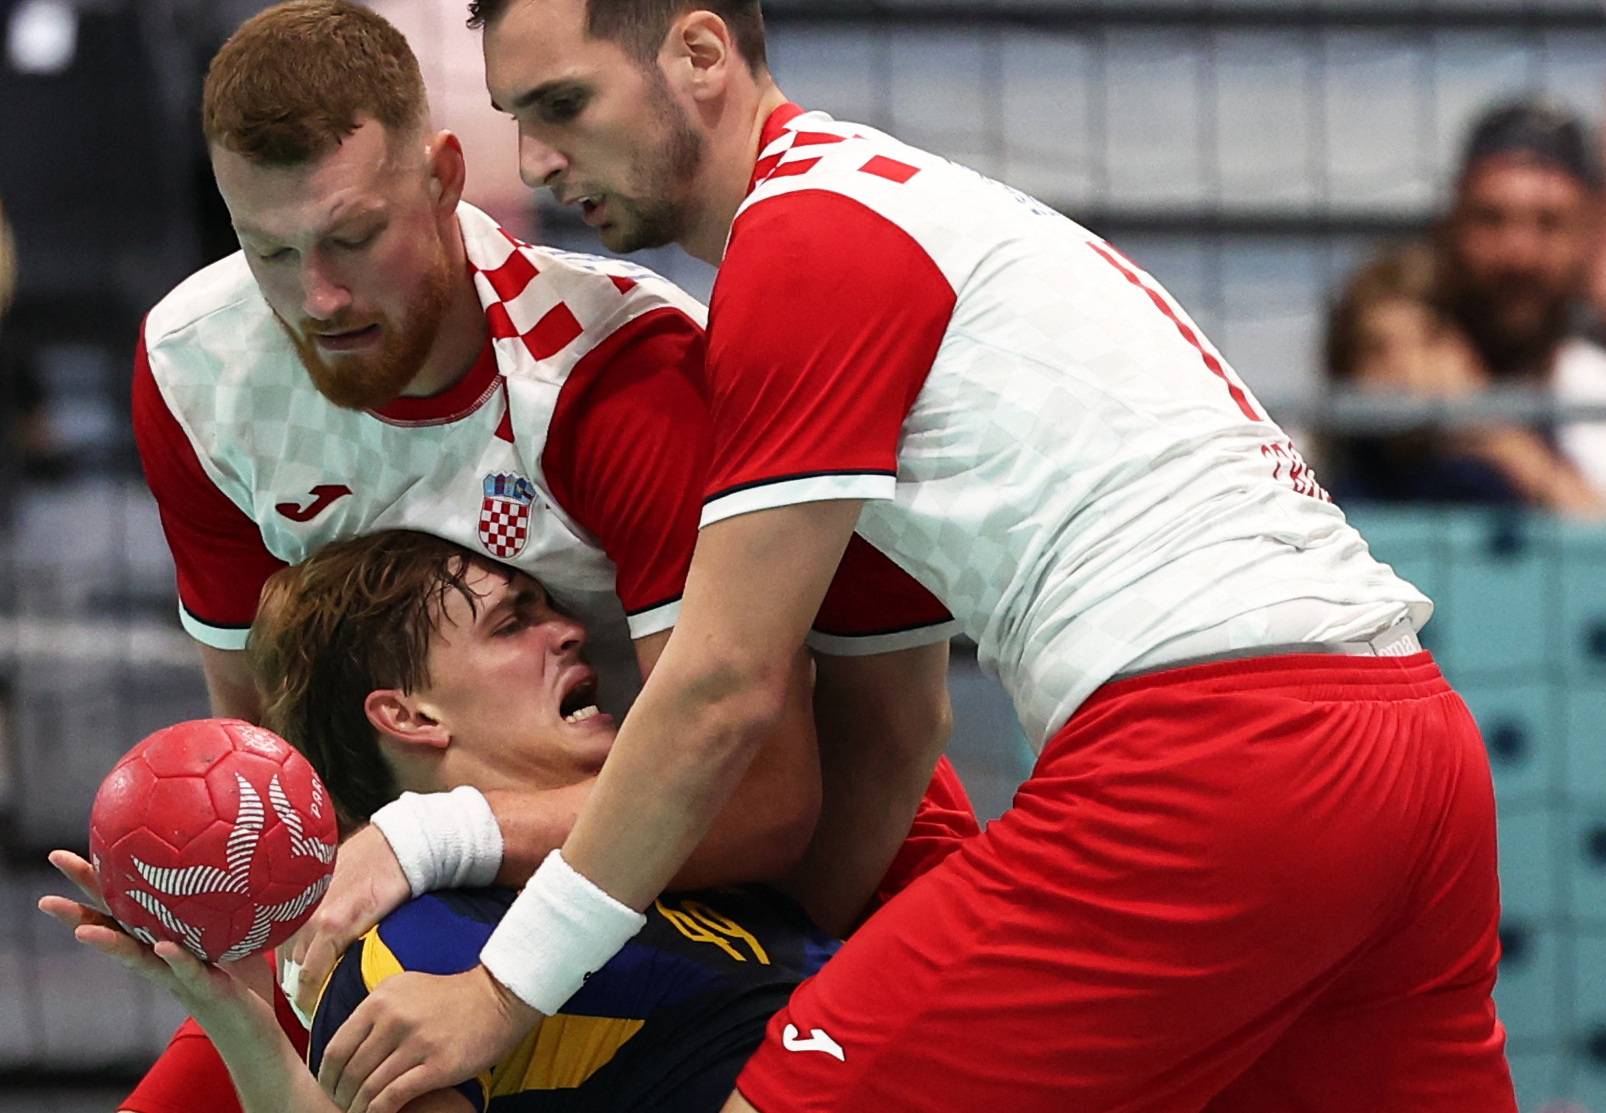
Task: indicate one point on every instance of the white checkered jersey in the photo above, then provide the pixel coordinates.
(1046, 441)
(576, 448)
(224, 408)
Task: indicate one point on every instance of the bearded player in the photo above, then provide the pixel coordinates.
(1254, 868)
(380, 354)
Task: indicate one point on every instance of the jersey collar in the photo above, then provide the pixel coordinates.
(456, 401)
(774, 128)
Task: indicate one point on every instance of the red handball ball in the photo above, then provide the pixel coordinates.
(215, 834)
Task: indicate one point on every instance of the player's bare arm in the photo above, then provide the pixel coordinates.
(720, 687)
(267, 1073)
(229, 686)
(876, 759)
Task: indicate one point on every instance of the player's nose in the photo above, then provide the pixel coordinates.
(567, 635)
(322, 296)
(539, 163)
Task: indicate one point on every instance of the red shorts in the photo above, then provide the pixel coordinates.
(1262, 886)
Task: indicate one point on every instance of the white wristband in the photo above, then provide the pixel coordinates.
(558, 932)
(443, 840)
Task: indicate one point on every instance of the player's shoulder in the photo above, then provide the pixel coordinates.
(536, 282)
(737, 928)
(436, 933)
(213, 303)
(814, 153)
(825, 190)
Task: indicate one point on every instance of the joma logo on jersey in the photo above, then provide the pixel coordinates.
(505, 514)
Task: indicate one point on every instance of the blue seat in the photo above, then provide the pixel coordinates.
(1528, 893)
(1582, 623)
(1528, 988)
(1585, 883)
(1589, 1028)
(1518, 722)
(1583, 739)
(1495, 600)
(1538, 1076)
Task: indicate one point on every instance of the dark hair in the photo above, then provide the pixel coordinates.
(355, 617)
(640, 25)
(293, 81)
(1405, 272)
(1539, 130)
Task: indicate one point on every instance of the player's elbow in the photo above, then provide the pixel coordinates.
(728, 708)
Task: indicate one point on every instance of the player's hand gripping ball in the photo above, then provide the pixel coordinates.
(215, 834)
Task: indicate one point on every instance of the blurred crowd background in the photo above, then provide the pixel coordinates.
(1388, 215)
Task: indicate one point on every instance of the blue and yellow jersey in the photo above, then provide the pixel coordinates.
(665, 1026)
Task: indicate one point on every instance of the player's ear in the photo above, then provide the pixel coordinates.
(701, 48)
(447, 171)
(402, 718)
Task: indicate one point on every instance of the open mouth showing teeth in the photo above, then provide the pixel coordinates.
(581, 702)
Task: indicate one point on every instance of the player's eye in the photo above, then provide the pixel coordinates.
(562, 109)
(353, 243)
(277, 256)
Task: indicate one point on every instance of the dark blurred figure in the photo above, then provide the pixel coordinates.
(30, 450)
(1519, 238)
(1389, 335)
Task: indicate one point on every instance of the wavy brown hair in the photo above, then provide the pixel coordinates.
(354, 618)
(294, 80)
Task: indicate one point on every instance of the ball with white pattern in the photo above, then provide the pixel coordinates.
(215, 834)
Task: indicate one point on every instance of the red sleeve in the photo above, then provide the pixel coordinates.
(626, 454)
(190, 1077)
(217, 550)
(825, 321)
(873, 606)
(945, 820)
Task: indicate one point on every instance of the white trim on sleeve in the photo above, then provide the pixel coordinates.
(655, 620)
(868, 645)
(789, 491)
(218, 637)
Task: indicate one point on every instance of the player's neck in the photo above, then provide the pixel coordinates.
(730, 172)
(462, 333)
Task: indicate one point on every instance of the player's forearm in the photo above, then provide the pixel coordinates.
(268, 1075)
(765, 826)
(534, 823)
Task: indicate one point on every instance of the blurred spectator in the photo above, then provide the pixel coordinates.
(1518, 239)
(1388, 334)
(24, 425)
(1579, 376)
(8, 264)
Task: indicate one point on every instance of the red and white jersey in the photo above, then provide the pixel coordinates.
(1044, 438)
(575, 449)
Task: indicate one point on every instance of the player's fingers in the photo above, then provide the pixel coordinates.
(342, 1045)
(72, 912)
(192, 974)
(379, 1053)
(384, 1077)
(414, 1082)
(127, 950)
(316, 966)
(81, 874)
